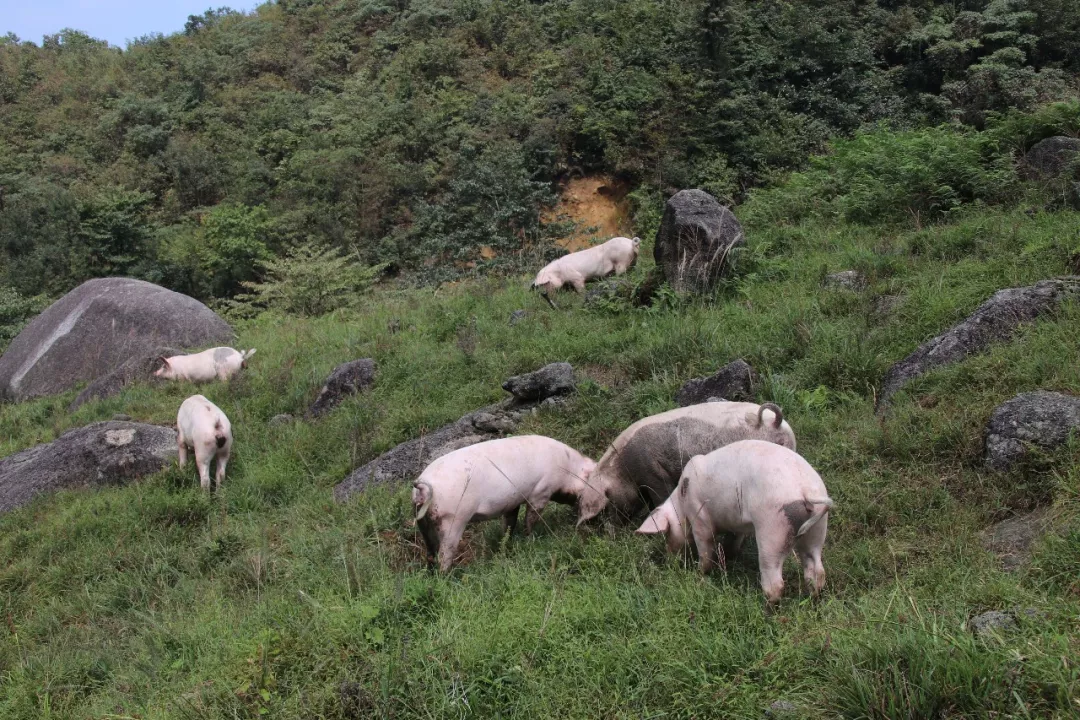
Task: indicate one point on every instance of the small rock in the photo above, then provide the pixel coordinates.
(735, 381)
(781, 709)
(122, 416)
(988, 622)
(493, 423)
(282, 419)
(695, 239)
(548, 381)
(716, 399)
(846, 280)
(347, 379)
(1041, 419)
(517, 316)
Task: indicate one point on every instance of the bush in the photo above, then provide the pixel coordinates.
(309, 281)
(882, 176)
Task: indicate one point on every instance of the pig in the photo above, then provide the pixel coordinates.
(616, 256)
(493, 479)
(643, 465)
(750, 486)
(220, 362)
(202, 426)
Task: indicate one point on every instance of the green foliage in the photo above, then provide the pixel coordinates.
(427, 135)
(886, 176)
(308, 281)
(15, 312)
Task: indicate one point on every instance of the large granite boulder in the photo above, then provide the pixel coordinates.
(693, 245)
(994, 321)
(346, 380)
(734, 381)
(1040, 419)
(104, 453)
(545, 386)
(1050, 157)
(99, 326)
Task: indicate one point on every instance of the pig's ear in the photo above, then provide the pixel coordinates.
(655, 524)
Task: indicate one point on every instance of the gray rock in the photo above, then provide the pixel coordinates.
(282, 419)
(346, 380)
(104, 453)
(846, 280)
(406, 461)
(517, 316)
(1042, 419)
(989, 622)
(735, 381)
(781, 709)
(695, 239)
(98, 326)
(1012, 540)
(548, 381)
(1049, 158)
(139, 368)
(994, 321)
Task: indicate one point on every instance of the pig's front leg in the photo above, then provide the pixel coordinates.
(705, 540)
(532, 513)
(202, 462)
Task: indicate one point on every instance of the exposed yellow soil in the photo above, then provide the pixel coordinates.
(597, 202)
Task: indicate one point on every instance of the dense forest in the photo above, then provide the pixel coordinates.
(411, 134)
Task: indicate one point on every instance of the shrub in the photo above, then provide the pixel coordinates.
(310, 281)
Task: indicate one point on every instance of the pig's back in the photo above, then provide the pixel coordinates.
(513, 462)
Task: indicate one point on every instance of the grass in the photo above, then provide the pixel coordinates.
(270, 600)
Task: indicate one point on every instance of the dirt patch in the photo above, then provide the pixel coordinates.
(606, 376)
(595, 201)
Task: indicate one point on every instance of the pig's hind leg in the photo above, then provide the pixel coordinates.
(448, 552)
(204, 453)
(429, 530)
(808, 548)
(774, 545)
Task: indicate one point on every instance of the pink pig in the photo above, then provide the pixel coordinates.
(494, 479)
(750, 486)
(202, 426)
(220, 362)
(616, 256)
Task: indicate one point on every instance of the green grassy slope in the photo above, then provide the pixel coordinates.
(269, 599)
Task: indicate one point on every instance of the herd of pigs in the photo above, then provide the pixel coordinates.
(717, 468)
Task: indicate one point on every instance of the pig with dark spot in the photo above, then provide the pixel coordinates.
(750, 486)
(643, 465)
(202, 426)
(494, 479)
(220, 362)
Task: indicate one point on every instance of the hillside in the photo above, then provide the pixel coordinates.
(157, 600)
(394, 173)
